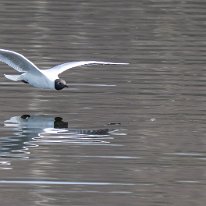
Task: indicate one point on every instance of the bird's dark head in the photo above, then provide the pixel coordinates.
(60, 84)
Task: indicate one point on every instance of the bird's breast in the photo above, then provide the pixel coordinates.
(39, 81)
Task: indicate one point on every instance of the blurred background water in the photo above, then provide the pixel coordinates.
(120, 135)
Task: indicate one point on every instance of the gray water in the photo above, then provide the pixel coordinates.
(120, 135)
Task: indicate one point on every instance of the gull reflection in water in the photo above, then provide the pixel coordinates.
(34, 130)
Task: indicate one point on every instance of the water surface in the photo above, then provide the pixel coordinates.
(120, 135)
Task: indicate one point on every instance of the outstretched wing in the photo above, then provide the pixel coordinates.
(17, 61)
(63, 67)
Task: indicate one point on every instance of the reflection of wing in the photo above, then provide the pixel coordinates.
(98, 132)
(31, 122)
(17, 61)
(63, 67)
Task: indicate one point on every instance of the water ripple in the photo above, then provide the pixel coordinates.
(41, 182)
(30, 131)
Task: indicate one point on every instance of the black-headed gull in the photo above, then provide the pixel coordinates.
(31, 74)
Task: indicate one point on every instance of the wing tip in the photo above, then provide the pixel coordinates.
(117, 63)
(124, 63)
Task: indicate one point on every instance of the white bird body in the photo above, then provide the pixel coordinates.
(31, 74)
(44, 80)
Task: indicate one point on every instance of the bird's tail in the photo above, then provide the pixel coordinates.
(13, 77)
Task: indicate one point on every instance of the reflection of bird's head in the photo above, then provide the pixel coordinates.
(25, 116)
(60, 84)
(59, 123)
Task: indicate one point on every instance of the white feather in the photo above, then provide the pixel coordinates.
(17, 61)
(69, 65)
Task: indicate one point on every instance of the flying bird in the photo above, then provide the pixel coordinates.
(44, 79)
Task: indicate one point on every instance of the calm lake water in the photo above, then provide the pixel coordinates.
(121, 134)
